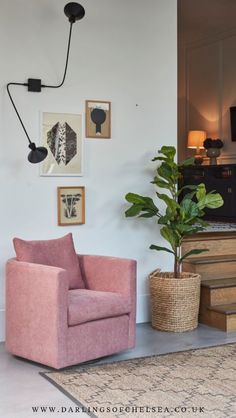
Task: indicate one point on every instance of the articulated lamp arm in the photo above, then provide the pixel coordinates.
(74, 12)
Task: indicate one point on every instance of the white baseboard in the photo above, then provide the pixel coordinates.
(143, 308)
(143, 314)
(2, 324)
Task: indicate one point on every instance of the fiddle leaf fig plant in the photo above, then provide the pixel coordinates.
(183, 213)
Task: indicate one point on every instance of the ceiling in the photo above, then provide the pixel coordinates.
(201, 19)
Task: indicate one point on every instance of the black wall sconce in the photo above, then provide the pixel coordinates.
(74, 12)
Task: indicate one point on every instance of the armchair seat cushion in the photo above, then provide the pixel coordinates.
(89, 305)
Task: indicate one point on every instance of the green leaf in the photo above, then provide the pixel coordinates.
(165, 171)
(169, 235)
(159, 159)
(201, 222)
(189, 210)
(160, 183)
(163, 220)
(211, 201)
(168, 151)
(141, 205)
(196, 229)
(133, 211)
(134, 198)
(171, 215)
(171, 203)
(141, 200)
(147, 215)
(149, 202)
(201, 192)
(189, 195)
(157, 248)
(192, 252)
(190, 187)
(184, 229)
(214, 201)
(188, 161)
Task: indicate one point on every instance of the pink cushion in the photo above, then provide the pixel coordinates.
(89, 305)
(58, 252)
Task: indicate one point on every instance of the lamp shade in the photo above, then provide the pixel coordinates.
(196, 139)
(37, 154)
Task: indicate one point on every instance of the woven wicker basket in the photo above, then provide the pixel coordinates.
(175, 302)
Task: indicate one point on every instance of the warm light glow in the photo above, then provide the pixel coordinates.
(196, 139)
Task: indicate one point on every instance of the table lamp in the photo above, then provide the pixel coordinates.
(195, 141)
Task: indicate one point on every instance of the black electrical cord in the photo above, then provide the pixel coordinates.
(66, 65)
(43, 85)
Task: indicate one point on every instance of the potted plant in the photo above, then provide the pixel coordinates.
(175, 295)
(213, 147)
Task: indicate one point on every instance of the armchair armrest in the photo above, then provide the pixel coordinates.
(111, 274)
(36, 311)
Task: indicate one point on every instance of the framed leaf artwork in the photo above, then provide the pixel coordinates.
(71, 205)
(62, 136)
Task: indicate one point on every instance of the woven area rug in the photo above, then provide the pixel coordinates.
(197, 383)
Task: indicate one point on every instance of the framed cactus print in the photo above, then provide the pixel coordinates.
(62, 136)
(71, 205)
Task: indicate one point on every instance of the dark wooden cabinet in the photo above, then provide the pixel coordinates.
(221, 178)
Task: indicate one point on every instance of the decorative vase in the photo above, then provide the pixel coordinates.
(175, 302)
(213, 154)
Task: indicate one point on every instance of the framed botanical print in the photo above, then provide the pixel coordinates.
(62, 136)
(98, 119)
(71, 205)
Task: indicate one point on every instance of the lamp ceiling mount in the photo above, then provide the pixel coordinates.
(74, 11)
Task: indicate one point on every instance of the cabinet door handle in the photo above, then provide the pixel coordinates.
(229, 190)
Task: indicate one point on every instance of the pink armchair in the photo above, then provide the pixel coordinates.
(53, 324)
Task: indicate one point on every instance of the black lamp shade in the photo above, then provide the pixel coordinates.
(37, 154)
(74, 11)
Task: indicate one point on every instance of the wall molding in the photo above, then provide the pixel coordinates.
(224, 158)
(220, 36)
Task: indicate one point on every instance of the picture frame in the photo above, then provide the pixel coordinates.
(71, 205)
(98, 119)
(62, 136)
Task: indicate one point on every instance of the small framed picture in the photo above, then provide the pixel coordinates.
(62, 136)
(71, 205)
(98, 119)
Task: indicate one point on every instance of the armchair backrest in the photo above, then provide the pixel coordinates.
(58, 252)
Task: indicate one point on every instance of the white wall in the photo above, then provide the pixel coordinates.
(123, 51)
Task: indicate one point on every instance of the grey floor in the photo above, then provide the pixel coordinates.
(21, 386)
